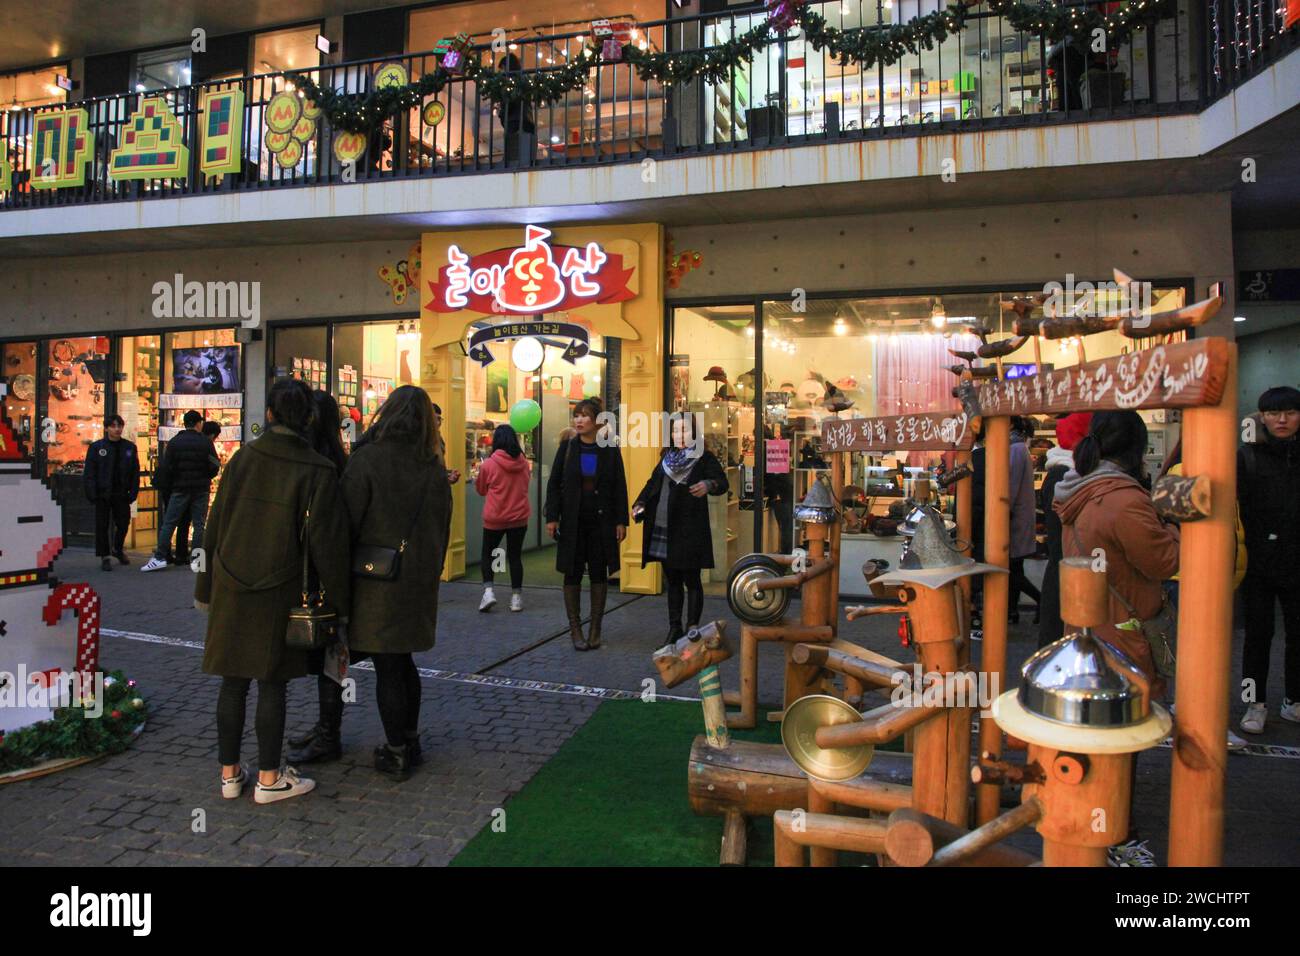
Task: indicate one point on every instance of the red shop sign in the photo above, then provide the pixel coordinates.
(533, 278)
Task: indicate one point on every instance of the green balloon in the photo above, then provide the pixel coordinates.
(525, 415)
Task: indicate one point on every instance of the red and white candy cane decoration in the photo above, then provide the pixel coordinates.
(83, 599)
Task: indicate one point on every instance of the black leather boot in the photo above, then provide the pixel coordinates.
(573, 608)
(694, 608)
(319, 745)
(675, 600)
(598, 592)
(392, 761)
(414, 755)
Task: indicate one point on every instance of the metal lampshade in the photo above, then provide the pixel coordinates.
(1072, 682)
(818, 506)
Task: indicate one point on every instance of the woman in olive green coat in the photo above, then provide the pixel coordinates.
(398, 497)
(251, 575)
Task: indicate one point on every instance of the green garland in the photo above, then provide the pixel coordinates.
(860, 46)
(70, 733)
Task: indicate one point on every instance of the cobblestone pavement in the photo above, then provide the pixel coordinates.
(483, 740)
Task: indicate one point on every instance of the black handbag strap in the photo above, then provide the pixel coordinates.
(424, 493)
(306, 555)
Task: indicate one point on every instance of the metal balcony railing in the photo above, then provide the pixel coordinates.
(988, 75)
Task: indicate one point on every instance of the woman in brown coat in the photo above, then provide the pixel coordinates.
(1106, 512)
(398, 496)
(276, 496)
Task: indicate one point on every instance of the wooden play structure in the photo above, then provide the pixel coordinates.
(828, 790)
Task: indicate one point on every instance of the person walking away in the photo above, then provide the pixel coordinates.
(586, 513)
(398, 498)
(1268, 492)
(112, 481)
(278, 499)
(1106, 511)
(324, 742)
(1024, 540)
(674, 506)
(211, 430)
(185, 478)
(503, 481)
(1060, 459)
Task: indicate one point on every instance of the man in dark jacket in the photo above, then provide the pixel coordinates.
(185, 479)
(1268, 492)
(112, 481)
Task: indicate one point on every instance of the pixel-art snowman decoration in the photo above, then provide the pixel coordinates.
(38, 642)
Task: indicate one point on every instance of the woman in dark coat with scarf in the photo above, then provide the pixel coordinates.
(674, 506)
(276, 497)
(398, 497)
(586, 512)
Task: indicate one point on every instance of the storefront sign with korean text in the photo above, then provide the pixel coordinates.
(576, 334)
(531, 279)
(932, 431)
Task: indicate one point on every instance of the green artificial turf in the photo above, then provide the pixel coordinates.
(615, 795)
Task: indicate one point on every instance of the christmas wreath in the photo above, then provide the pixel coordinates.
(74, 732)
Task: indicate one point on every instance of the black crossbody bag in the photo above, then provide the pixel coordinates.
(311, 626)
(383, 563)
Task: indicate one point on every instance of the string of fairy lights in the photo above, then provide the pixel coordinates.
(864, 47)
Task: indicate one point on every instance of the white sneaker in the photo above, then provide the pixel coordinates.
(489, 599)
(1130, 853)
(1254, 719)
(1236, 744)
(1291, 710)
(516, 601)
(232, 787)
(155, 565)
(287, 785)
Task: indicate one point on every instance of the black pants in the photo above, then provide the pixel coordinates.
(1050, 627)
(232, 702)
(117, 511)
(684, 584)
(514, 553)
(399, 692)
(1020, 583)
(588, 554)
(1257, 596)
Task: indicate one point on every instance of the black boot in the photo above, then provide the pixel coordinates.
(674, 614)
(598, 592)
(573, 607)
(106, 565)
(414, 755)
(694, 607)
(319, 745)
(392, 761)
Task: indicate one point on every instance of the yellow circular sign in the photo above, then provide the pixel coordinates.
(276, 141)
(433, 113)
(349, 147)
(304, 129)
(310, 110)
(290, 155)
(391, 74)
(283, 111)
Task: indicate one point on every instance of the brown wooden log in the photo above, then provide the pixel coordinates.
(996, 350)
(853, 834)
(1085, 598)
(792, 633)
(1026, 325)
(1179, 498)
(865, 792)
(913, 838)
(870, 673)
(715, 711)
(1177, 320)
(1068, 326)
(733, 839)
(1081, 819)
(756, 779)
(873, 610)
(877, 726)
(748, 694)
(787, 852)
(985, 372)
(974, 847)
(818, 803)
(997, 551)
(688, 657)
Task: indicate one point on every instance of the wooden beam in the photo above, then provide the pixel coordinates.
(930, 431)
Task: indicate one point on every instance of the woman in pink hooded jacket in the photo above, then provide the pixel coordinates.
(503, 482)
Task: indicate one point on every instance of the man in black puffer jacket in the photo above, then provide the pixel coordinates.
(1268, 494)
(112, 480)
(185, 479)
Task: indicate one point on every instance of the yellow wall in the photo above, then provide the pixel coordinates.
(637, 322)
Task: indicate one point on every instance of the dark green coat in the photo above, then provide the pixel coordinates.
(382, 486)
(253, 568)
(564, 502)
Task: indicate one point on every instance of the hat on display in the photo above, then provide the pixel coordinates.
(1071, 428)
(818, 506)
(811, 390)
(726, 393)
(849, 383)
(716, 374)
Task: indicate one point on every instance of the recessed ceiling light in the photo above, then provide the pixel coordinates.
(1239, 318)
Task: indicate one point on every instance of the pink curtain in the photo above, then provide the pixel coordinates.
(910, 376)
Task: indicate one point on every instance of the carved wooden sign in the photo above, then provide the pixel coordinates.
(932, 431)
(1184, 375)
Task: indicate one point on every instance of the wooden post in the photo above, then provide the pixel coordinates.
(733, 839)
(963, 491)
(839, 461)
(748, 697)
(997, 551)
(1084, 816)
(820, 803)
(1205, 635)
(715, 712)
(814, 611)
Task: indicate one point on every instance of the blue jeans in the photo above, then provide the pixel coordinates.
(180, 504)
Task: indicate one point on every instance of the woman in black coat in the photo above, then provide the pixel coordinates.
(586, 512)
(674, 508)
(398, 497)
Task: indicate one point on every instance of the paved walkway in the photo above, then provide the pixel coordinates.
(483, 734)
